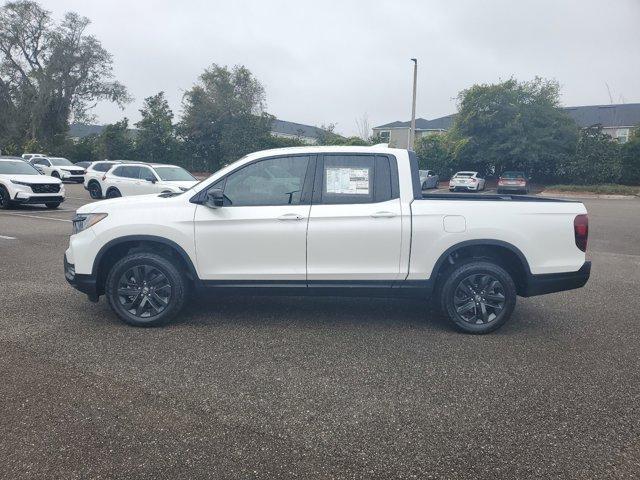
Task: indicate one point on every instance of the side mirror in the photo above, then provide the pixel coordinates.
(151, 179)
(215, 198)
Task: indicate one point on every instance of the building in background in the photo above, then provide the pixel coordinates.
(616, 121)
(279, 128)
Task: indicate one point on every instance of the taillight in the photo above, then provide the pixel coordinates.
(581, 231)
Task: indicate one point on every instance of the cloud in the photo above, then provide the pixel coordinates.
(332, 61)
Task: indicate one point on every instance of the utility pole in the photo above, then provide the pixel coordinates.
(412, 132)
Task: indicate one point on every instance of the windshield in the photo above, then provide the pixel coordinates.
(17, 168)
(512, 175)
(174, 174)
(60, 162)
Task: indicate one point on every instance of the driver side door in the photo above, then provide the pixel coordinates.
(259, 235)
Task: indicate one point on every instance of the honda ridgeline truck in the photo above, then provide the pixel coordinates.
(327, 221)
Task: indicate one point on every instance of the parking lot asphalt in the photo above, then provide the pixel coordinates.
(317, 388)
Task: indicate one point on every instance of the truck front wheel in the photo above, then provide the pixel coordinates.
(145, 289)
(478, 296)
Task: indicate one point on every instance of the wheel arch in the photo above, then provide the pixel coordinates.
(115, 249)
(505, 254)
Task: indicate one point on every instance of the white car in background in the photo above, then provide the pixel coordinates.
(466, 181)
(58, 167)
(21, 183)
(28, 156)
(93, 177)
(130, 179)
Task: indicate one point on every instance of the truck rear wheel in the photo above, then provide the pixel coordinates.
(145, 289)
(478, 296)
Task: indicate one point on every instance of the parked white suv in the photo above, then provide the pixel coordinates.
(21, 183)
(58, 167)
(28, 156)
(466, 181)
(129, 179)
(93, 177)
(328, 221)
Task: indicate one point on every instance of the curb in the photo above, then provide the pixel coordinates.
(587, 195)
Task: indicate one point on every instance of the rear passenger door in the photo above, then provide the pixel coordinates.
(355, 222)
(125, 178)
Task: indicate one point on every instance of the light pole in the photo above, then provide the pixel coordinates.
(412, 132)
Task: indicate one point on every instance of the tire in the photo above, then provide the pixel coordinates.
(5, 199)
(95, 191)
(144, 307)
(113, 193)
(52, 205)
(478, 296)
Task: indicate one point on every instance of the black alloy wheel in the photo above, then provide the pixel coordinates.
(479, 299)
(5, 199)
(95, 191)
(478, 295)
(144, 291)
(114, 193)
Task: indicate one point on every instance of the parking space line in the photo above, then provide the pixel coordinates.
(36, 216)
(7, 238)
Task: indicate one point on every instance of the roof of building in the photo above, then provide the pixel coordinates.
(295, 129)
(620, 115)
(81, 130)
(441, 123)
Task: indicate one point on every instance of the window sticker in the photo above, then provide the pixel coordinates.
(348, 181)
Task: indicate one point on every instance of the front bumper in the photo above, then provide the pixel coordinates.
(84, 283)
(557, 282)
(38, 199)
(72, 178)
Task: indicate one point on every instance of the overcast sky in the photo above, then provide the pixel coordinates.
(332, 62)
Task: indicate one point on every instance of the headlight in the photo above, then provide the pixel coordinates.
(83, 221)
(20, 183)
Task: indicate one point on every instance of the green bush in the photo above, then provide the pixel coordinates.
(597, 160)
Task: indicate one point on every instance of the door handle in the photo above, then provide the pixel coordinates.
(290, 216)
(383, 215)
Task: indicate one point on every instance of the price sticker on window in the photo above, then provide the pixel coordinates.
(347, 181)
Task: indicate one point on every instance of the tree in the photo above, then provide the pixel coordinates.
(597, 159)
(514, 125)
(364, 129)
(155, 139)
(115, 141)
(224, 117)
(437, 151)
(49, 73)
(630, 161)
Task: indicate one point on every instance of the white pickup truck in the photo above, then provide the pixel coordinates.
(328, 221)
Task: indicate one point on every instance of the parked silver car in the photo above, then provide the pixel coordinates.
(428, 179)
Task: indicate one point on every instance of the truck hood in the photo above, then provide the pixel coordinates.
(124, 203)
(35, 179)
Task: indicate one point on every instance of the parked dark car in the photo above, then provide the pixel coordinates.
(515, 182)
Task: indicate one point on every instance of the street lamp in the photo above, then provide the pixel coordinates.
(412, 132)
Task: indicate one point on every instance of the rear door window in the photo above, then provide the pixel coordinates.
(127, 172)
(349, 179)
